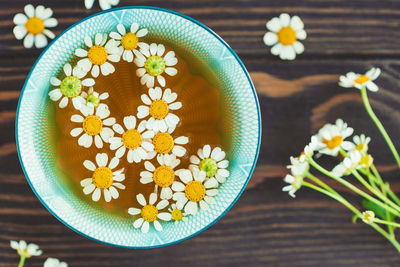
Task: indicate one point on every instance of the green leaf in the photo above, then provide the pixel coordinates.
(379, 211)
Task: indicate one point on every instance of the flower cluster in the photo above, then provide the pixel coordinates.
(147, 136)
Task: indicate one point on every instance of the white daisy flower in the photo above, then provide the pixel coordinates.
(153, 63)
(297, 167)
(358, 81)
(158, 105)
(93, 126)
(129, 41)
(92, 99)
(195, 191)
(212, 162)
(104, 179)
(163, 176)
(284, 33)
(349, 163)
(295, 183)
(25, 250)
(366, 161)
(53, 262)
(150, 213)
(104, 4)
(361, 142)
(177, 214)
(33, 26)
(308, 150)
(70, 87)
(331, 138)
(97, 56)
(136, 140)
(368, 216)
(164, 143)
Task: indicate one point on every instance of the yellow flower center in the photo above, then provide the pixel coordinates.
(163, 143)
(132, 139)
(164, 176)
(159, 109)
(97, 55)
(195, 191)
(102, 177)
(34, 25)
(129, 41)
(286, 36)
(366, 160)
(362, 79)
(92, 125)
(24, 253)
(360, 147)
(149, 213)
(177, 215)
(333, 143)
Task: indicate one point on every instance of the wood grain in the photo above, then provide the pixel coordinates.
(266, 227)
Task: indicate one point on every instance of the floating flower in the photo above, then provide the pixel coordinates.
(177, 214)
(164, 143)
(92, 98)
(368, 216)
(104, 4)
(213, 163)
(349, 163)
(69, 87)
(361, 143)
(331, 138)
(33, 26)
(129, 41)
(150, 213)
(136, 140)
(153, 63)
(195, 191)
(158, 105)
(358, 81)
(294, 182)
(97, 56)
(53, 262)
(104, 179)
(93, 126)
(283, 36)
(163, 176)
(25, 250)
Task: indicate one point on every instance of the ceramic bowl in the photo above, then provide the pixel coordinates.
(38, 154)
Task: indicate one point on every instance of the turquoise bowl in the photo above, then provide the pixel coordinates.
(37, 152)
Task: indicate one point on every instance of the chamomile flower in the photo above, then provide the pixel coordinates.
(104, 179)
(158, 105)
(33, 26)
(134, 139)
(349, 164)
(177, 214)
(368, 216)
(297, 167)
(149, 213)
(358, 81)
(331, 138)
(164, 143)
(70, 87)
(129, 41)
(308, 150)
(194, 191)
(25, 250)
(361, 142)
(163, 176)
(98, 54)
(284, 33)
(93, 126)
(295, 182)
(366, 161)
(104, 4)
(53, 262)
(212, 162)
(153, 64)
(92, 98)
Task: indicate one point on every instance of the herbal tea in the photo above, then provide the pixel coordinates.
(138, 131)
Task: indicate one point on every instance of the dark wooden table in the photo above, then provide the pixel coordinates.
(266, 226)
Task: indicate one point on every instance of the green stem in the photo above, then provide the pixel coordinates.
(22, 261)
(320, 183)
(352, 187)
(379, 125)
(387, 236)
(386, 222)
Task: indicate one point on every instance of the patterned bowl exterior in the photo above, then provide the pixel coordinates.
(38, 156)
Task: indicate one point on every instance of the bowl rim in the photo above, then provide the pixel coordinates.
(204, 27)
